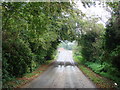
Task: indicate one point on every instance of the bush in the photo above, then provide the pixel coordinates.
(105, 69)
(17, 58)
(81, 59)
(115, 56)
(96, 67)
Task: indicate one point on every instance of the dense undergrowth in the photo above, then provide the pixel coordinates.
(27, 77)
(100, 49)
(100, 66)
(93, 54)
(102, 69)
(29, 37)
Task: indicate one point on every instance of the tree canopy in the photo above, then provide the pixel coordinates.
(32, 31)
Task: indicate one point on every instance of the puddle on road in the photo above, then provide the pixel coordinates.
(63, 67)
(65, 64)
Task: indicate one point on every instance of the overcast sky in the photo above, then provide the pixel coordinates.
(96, 11)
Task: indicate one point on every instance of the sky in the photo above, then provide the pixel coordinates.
(95, 11)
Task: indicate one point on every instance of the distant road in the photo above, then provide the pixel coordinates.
(63, 74)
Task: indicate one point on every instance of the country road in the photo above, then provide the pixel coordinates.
(62, 74)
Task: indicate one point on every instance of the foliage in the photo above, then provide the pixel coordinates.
(33, 30)
(67, 45)
(112, 38)
(101, 82)
(100, 47)
(17, 57)
(89, 43)
(31, 33)
(78, 56)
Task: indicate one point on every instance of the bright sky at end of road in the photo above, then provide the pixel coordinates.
(97, 11)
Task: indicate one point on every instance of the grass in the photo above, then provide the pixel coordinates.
(105, 70)
(19, 82)
(100, 81)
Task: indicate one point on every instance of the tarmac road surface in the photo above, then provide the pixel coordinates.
(62, 74)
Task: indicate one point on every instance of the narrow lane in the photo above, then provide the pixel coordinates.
(63, 74)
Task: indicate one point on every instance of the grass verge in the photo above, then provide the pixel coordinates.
(99, 81)
(19, 82)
